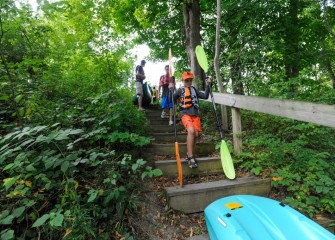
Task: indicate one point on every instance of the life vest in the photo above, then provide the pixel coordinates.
(164, 80)
(188, 98)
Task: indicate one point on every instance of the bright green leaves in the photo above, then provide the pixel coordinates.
(7, 217)
(55, 220)
(9, 182)
(149, 172)
(40, 221)
(7, 234)
(93, 195)
(18, 212)
(297, 156)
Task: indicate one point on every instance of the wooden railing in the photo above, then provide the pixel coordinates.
(304, 111)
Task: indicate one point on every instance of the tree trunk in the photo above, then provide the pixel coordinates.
(217, 67)
(191, 11)
(236, 76)
(292, 45)
(331, 72)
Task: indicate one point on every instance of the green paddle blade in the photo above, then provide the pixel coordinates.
(227, 161)
(201, 56)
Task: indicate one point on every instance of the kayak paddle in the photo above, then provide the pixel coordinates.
(176, 144)
(226, 160)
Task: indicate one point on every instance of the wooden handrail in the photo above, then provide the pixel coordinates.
(304, 111)
(321, 114)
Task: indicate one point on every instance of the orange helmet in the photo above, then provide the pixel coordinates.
(187, 75)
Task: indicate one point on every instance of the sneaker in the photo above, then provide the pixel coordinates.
(164, 115)
(141, 109)
(192, 163)
(170, 123)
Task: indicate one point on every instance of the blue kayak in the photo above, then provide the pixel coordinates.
(258, 218)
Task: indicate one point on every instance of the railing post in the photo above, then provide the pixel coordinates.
(237, 129)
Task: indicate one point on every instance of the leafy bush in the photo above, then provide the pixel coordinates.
(298, 156)
(78, 182)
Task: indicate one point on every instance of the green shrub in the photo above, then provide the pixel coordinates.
(298, 156)
(77, 182)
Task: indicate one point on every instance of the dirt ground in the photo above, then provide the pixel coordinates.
(158, 221)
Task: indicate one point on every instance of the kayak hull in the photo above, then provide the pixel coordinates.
(251, 217)
(146, 100)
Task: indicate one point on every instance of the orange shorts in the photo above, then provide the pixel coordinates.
(191, 121)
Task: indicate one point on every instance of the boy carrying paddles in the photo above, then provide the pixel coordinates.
(187, 98)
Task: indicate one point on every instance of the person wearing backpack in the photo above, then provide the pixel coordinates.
(166, 104)
(140, 76)
(187, 97)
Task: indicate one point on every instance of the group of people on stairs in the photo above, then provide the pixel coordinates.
(186, 97)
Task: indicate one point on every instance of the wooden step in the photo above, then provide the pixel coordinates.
(194, 198)
(167, 149)
(160, 121)
(169, 137)
(164, 128)
(206, 165)
(153, 113)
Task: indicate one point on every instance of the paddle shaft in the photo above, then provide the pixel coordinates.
(219, 125)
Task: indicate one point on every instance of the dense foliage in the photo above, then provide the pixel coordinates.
(299, 157)
(69, 135)
(69, 132)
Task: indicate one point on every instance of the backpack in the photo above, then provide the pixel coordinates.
(188, 98)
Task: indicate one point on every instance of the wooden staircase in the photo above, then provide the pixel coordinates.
(193, 198)
(199, 194)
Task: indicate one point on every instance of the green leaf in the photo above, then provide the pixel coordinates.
(7, 234)
(31, 168)
(57, 220)
(76, 131)
(9, 166)
(51, 136)
(7, 220)
(144, 174)
(65, 166)
(4, 214)
(93, 195)
(30, 203)
(18, 98)
(157, 172)
(40, 221)
(4, 97)
(18, 212)
(9, 182)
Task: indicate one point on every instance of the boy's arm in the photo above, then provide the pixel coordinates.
(205, 95)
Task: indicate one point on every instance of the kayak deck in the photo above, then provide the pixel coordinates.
(251, 217)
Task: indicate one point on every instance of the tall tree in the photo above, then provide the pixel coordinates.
(217, 66)
(291, 38)
(191, 29)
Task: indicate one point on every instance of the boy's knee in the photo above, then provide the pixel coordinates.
(191, 131)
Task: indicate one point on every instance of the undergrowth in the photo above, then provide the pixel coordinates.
(76, 178)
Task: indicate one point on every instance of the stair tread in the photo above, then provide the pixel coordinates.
(205, 186)
(199, 159)
(168, 133)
